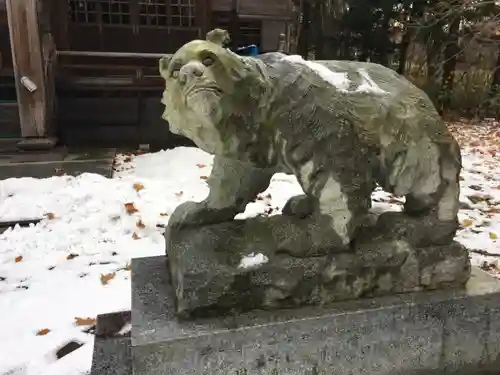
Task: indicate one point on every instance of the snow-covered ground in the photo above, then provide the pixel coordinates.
(75, 262)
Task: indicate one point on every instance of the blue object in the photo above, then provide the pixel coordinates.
(251, 50)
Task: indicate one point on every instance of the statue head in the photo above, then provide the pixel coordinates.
(205, 86)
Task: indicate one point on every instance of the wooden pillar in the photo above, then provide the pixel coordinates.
(29, 68)
(234, 25)
(203, 8)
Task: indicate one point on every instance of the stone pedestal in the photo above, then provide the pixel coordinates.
(273, 263)
(413, 333)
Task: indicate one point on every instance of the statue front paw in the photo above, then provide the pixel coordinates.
(188, 214)
(300, 206)
(195, 214)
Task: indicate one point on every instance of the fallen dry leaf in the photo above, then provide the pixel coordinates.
(85, 321)
(140, 224)
(204, 177)
(43, 332)
(107, 277)
(479, 198)
(138, 187)
(135, 236)
(72, 256)
(130, 208)
(467, 223)
(19, 258)
(475, 187)
(493, 236)
(163, 214)
(201, 165)
(49, 215)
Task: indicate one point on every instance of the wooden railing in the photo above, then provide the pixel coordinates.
(100, 70)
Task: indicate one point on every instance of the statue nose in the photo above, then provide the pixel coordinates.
(190, 71)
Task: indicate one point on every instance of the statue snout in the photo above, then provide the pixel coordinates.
(190, 71)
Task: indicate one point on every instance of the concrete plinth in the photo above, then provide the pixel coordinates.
(427, 332)
(111, 354)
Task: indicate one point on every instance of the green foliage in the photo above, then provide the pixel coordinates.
(381, 31)
(471, 95)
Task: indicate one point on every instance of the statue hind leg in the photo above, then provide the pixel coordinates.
(430, 212)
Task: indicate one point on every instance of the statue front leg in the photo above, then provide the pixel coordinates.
(233, 184)
(330, 213)
(340, 210)
(300, 206)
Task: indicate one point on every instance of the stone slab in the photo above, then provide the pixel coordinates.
(440, 331)
(111, 355)
(38, 164)
(214, 268)
(37, 143)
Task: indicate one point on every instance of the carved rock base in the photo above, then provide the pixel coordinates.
(229, 267)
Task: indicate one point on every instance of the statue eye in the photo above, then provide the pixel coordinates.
(207, 61)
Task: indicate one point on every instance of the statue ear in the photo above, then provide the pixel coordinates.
(219, 37)
(163, 65)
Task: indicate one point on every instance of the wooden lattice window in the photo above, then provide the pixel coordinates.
(152, 12)
(183, 12)
(115, 12)
(180, 13)
(82, 11)
(110, 12)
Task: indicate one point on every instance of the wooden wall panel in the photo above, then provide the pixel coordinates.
(84, 37)
(5, 52)
(222, 5)
(271, 31)
(275, 8)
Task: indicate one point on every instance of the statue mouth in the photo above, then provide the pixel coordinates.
(195, 89)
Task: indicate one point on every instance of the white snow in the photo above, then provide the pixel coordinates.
(368, 85)
(88, 233)
(339, 80)
(125, 329)
(253, 260)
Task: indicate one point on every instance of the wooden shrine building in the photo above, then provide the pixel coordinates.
(86, 70)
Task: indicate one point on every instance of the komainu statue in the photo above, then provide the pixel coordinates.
(341, 128)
